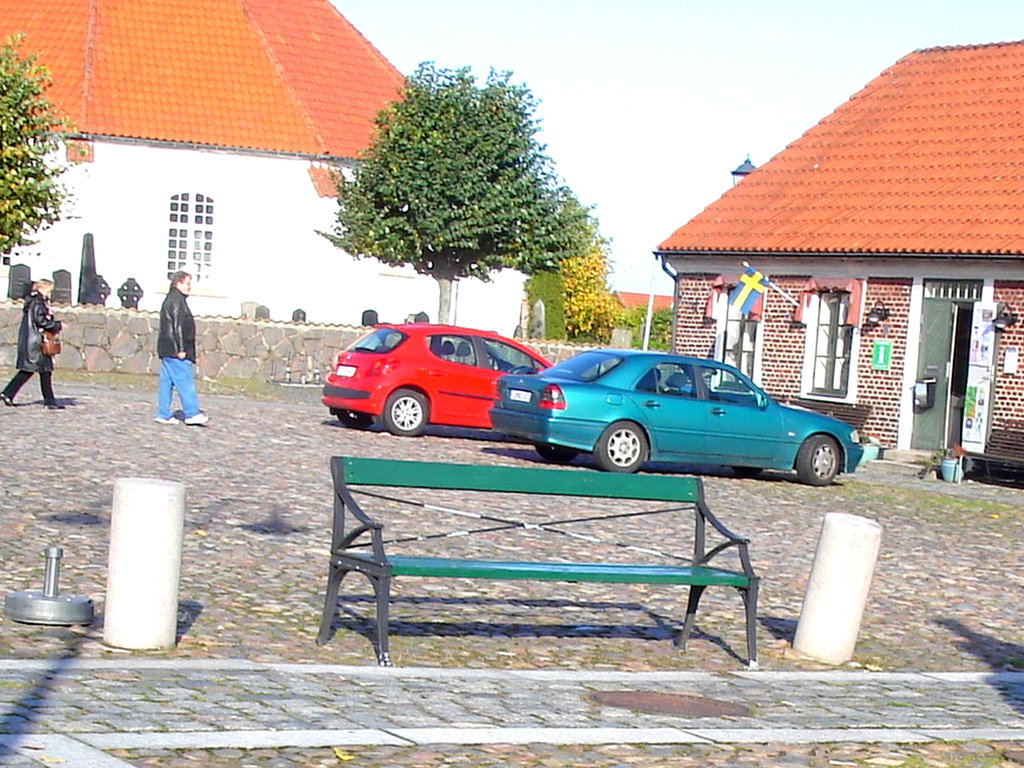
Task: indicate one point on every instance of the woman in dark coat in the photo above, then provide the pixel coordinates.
(36, 319)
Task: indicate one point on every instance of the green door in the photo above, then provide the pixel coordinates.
(933, 365)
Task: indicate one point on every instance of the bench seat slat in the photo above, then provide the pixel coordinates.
(626, 573)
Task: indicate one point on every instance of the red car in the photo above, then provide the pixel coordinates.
(408, 376)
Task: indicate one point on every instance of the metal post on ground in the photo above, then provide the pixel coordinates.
(837, 590)
(146, 531)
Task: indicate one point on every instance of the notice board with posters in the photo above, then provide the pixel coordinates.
(981, 364)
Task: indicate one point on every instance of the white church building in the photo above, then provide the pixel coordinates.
(206, 136)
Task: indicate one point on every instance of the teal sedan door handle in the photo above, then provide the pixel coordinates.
(718, 411)
(652, 404)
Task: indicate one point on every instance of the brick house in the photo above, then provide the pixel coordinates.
(896, 225)
(207, 135)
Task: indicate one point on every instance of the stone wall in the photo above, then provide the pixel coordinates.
(104, 339)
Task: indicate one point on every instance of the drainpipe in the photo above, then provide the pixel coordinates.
(669, 270)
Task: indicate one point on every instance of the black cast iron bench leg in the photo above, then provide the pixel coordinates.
(696, 590)
(382, 591)
(334, 576)
(750, 605)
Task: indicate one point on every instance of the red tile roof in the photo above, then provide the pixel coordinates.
(279, 75)
(927, 158)
(629, 300)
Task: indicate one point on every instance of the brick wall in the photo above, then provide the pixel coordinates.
(695, 334)
(1006, 434)
(876, 411)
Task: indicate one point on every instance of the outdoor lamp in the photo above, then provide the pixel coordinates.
(877, 314)
(744, 168)
(1004, 320)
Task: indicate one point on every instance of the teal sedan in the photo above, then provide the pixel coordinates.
(628, 407)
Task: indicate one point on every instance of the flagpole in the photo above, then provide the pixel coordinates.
(776, 288)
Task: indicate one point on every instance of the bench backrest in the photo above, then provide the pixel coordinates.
(394, 473)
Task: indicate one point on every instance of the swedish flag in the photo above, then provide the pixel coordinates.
(750, 288)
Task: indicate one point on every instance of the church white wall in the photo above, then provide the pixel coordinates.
(265, 243)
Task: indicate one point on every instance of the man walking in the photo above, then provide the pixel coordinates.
(176, 346)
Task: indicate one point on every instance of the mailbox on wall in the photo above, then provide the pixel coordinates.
(924, 395)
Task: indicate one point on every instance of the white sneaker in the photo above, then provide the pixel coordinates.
(198, 420)
(168, 420)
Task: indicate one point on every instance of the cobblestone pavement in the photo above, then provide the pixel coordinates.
(946, 598)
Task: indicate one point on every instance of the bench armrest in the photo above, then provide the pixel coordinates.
(343, 500)
(701, 555)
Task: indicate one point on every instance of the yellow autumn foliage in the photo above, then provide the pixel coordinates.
(590, 308)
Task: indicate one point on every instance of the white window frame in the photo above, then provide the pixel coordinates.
(810, 316)
(193, 251)
(720, 314)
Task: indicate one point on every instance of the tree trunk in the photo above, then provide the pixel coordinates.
(444, 309)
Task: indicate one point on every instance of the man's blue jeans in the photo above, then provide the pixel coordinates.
(176, 373)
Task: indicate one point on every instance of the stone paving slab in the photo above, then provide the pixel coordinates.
(252, 706)
(935, 664)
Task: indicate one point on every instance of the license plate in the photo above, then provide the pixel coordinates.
(346, 371)
(519, 395)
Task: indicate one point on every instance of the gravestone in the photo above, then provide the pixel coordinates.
(299, 316)
(370, 317)
(102, 291)
(89, 283)
(249, 310)
(130, 293)
(538, 325)
(622, 338)
(19, 281)
(421, 317)
(262, 312)
(61, 287)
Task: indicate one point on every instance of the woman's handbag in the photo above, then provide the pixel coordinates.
(50, 345)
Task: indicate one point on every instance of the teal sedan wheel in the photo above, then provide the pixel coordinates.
(817, 462)
(622, 447)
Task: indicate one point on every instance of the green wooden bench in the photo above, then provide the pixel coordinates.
(369, 478)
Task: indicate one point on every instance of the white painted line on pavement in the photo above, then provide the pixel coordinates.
(810, 735)
(242, 739)
(523, 735)
(547, 735)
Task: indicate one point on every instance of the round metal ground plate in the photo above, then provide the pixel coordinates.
(32, 607)
(656, 703)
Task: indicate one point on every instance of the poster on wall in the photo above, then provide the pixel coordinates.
(979, 378)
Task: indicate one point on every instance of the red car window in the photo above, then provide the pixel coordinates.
(453, 348)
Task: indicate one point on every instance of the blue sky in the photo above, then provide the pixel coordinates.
(647, 105)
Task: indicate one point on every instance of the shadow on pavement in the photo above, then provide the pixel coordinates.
(661, 627)
(998, 654)
(188, 612)
(19, 723)
(274, 525)
(781, 629)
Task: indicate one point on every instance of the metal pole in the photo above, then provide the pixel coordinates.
(52, 574)
(650, 305)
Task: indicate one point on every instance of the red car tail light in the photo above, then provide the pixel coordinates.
(382, 367)
(552, 398)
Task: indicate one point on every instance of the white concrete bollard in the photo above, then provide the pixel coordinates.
(146, 530)
(838, 588)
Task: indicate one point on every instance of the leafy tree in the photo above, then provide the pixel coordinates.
(591, 311)
(550, 289)
(29, 195)
(456, 185)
